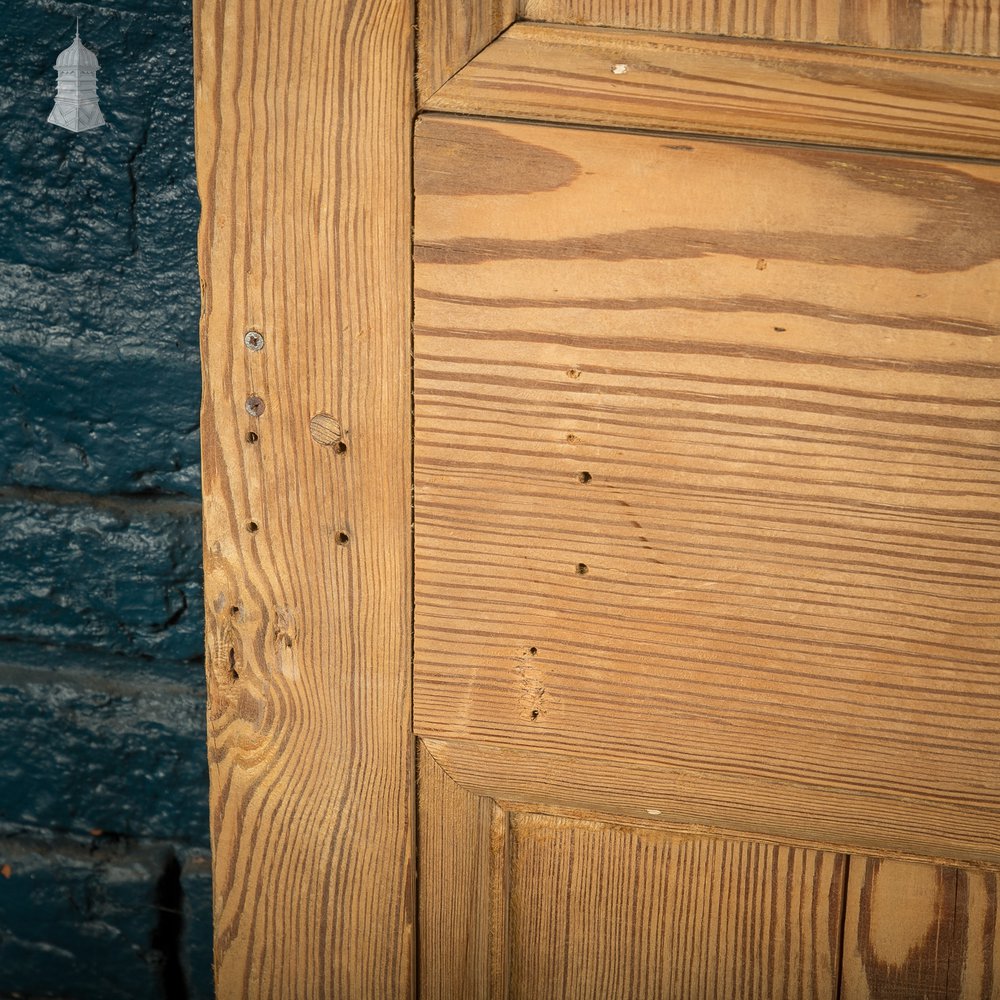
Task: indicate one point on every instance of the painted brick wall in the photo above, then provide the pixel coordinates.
(104, 881)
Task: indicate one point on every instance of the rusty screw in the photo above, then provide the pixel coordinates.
(255, 406)
(253, 340)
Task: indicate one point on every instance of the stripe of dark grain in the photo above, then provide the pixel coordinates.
(750, 752)
(721, 349)
(734, 399)
(454, 409)
(424, 372)
(712, 425)
(785, 661)
(590, 529)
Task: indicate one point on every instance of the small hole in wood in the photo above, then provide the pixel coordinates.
(573, 372)
(571, 438)
(252, 526)
(342, 538)
(252, 438)
(341, 447)
(533, 651)
(234, 610)
(582, 568)
(779, 329)
(585, 477)
(535, 713)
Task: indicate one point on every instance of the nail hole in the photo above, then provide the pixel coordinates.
(254, 406)
(342, 537)
(585, 477)
(582, 568)
(252, 437)
(252, 526)
(535, 713)
(341, 447)
(234, 610)
(533, 651)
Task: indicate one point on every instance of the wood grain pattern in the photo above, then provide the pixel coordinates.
(830, 96)
(750, 791)
(706, 468)
(919, 931)
(451, 32)
(303, 139)
(970, 26)
(462, 878)
(615, 913)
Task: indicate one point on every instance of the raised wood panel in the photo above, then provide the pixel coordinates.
(916, 930)
(970, 26)
(601, 912)
(462, 880)
(304, 118)
(451, 32)
(706, 469)
(770, 90)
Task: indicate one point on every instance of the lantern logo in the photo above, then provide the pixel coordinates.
(76, 105)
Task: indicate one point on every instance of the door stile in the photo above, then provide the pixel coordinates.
(303, 125)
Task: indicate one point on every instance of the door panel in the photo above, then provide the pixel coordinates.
(706, 478)
(519, 905)
(601, 912)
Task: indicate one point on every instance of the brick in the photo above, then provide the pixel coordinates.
(119, 749)
(110, 574)
(101, 920)
(99, 291)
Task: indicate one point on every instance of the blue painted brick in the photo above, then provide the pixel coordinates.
(110, 574)
(99, 292)
(89, 744)
(101, 920)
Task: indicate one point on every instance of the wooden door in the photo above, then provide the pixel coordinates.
(705, 503)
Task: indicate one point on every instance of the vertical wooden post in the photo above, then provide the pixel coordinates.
(303, 153)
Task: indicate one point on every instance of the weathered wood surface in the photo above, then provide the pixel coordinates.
(451, 32)
(706, 471)
(462, 880)
(970, 26)
(688, 783)
(638, 79)
(616, 913)
(303, 139)
(917, 930)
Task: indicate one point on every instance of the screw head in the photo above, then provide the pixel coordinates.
(255, 406)
(253, 340)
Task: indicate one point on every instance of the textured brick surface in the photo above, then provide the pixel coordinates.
(101, 686)
(101, 919)
(119, 576)
(98, 275)
(89, 743)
